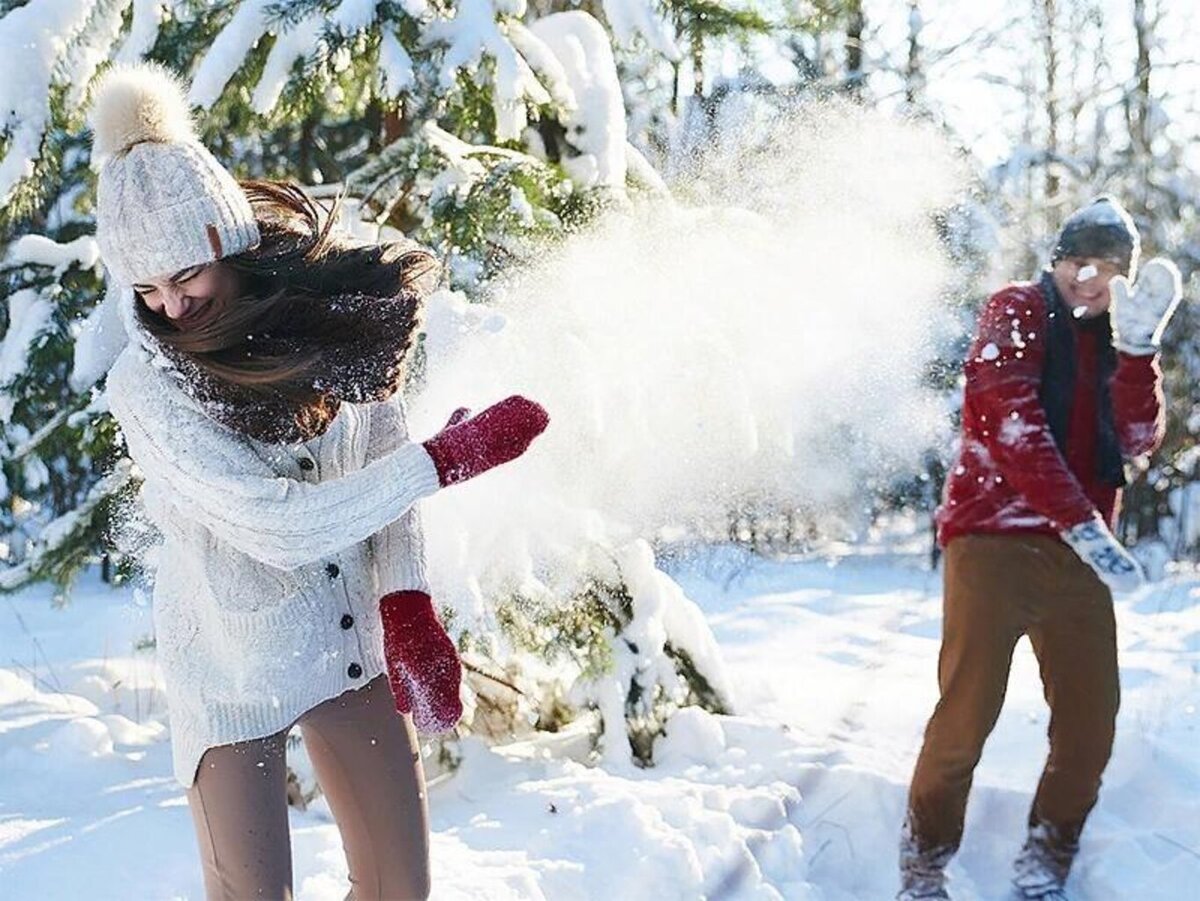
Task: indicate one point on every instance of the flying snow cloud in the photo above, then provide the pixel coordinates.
(766, 346)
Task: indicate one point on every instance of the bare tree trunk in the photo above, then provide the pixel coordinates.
(914, 75)
(1138, 104)
(1098, 142)
(1143, 505)
(856, 26)
(395, 126)
(1049, 13)
(304, 157)
(1139, 116)
(1033, 212)
(1078, 11)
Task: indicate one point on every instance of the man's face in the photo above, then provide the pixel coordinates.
(1083, 283)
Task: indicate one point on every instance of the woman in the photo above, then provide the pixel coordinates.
(259, 397)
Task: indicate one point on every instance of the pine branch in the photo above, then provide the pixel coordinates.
(59, 553)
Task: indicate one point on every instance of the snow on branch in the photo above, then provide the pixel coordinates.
(57, 534)
(352, 16)
(38, 250)
(92, 47)
(30, 313)
(143, 31)
(249, 23)
(474, 33)
(664, 653)
(51, 44)
(300, 42)
(543, 61)
(396, 74)
(638, 18)
(596, 123)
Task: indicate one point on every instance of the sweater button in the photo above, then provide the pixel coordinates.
(347, 621)
(331, 570)
(354, 671)
(306, 464)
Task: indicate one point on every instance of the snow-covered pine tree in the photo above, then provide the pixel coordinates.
(56, 453)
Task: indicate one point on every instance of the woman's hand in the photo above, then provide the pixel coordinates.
(423, 668)
(471, 445)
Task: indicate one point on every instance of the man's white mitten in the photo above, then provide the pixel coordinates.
(1140, 313)
(1099, 549)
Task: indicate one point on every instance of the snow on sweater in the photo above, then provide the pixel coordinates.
(274, 557)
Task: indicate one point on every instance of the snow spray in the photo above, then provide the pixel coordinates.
(767, 344)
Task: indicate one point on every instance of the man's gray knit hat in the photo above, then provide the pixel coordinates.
(163, 202)
(1101, 229)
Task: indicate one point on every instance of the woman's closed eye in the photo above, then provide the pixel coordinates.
(179, 278)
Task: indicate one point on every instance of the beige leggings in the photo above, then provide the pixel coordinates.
(368, 763)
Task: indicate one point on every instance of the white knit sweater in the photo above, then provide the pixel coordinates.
(265, 598)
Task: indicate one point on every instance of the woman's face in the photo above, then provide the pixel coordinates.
(189, 297)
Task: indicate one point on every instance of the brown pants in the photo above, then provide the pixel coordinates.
(998, 588)
(368, 763)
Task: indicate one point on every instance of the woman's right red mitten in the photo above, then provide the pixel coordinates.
(502, 432)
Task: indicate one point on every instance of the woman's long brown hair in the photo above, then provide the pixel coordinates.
(277, 337)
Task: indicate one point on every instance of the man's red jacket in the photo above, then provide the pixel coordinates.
(1010, 476)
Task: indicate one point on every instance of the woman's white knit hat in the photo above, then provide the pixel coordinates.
(163, 202)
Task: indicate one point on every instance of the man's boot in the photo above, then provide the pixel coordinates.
(922, 873)
(1040, 870)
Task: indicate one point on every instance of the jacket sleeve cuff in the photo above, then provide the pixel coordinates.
(413, 467)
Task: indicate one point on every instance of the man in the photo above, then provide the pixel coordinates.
(1062, 386)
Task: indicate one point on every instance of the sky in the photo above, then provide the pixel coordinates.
(979, 88)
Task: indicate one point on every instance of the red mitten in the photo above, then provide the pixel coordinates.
(422, 663)
(501, 433)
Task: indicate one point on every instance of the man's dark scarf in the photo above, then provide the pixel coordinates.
(1057, 391)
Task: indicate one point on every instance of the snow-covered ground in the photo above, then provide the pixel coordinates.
(799, 796)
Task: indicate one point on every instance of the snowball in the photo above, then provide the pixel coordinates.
(990, 352)
(1087, 273)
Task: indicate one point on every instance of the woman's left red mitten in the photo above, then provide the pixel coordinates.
(423, 666)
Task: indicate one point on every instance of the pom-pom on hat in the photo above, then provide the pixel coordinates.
(1101, 229)
(163, 202)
